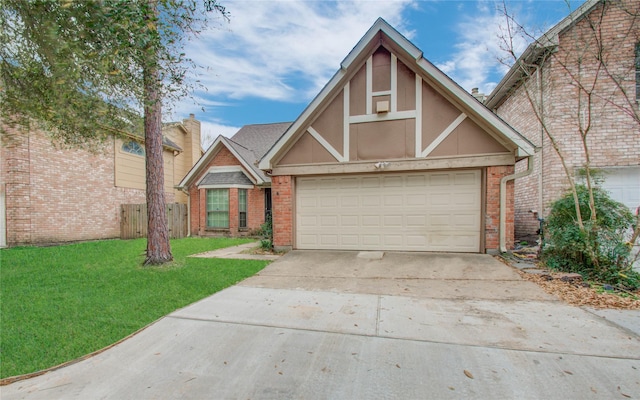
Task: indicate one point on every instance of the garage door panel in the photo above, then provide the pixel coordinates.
(308, 221)
(394, 200)
(370, 201)
(329, 240)
(329, 221)
(416, 220)
(349, 201)
(437, 211)
(393, 181)
(370, 182)
(370, 221)
(464, 179)
(393, 221)
(393, 240)
(371, 240)
(416, 181)
(349, 241)
(440, 199)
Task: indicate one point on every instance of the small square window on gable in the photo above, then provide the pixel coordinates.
(133, 147)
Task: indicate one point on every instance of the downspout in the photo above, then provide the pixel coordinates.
(503, 200)
(188, 210)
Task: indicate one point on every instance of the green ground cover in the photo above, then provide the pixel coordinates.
(60, 303)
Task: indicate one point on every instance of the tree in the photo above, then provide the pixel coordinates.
(576, 81)
(83, 70)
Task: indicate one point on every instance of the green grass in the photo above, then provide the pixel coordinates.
(60, 303)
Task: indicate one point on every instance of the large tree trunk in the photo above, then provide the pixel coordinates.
(158, 246)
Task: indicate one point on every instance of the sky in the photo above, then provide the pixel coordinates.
(273, 57)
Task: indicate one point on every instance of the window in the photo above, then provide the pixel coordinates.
(638, 72)
(217, 208)
(133, 147)
(242, 208)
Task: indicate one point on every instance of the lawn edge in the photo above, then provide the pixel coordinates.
(17, 378)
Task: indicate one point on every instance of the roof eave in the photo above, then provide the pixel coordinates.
(211, 151)
(547, 41)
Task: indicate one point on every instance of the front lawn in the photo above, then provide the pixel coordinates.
(60, 303)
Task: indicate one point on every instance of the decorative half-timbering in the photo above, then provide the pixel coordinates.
(394, 155)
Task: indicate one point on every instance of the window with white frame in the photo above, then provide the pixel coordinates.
(218, 208)
(133, 147)
(242, 208)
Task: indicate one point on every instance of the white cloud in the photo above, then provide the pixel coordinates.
(210, 131)
(476, 61)
(283, 50)
(270, 44)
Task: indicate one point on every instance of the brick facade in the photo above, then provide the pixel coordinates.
(612, 132)
(492, 208)
(282, 191)
(198, 203)
(57, 195)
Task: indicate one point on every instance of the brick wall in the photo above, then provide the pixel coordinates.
(492, 208)
(282, 194)
(58, 195)
(612, 133)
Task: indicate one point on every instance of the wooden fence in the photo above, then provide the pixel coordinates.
(133, 220)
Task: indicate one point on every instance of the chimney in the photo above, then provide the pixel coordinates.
(478, 96)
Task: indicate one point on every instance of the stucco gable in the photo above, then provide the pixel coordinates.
(386, 96)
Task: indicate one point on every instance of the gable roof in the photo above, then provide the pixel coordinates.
(381, 29)
(248, 145)
(534, 52)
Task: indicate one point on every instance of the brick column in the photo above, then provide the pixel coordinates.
(233, 211)
(17, 168)
(282, 202)
(194, 210)
(492, 210)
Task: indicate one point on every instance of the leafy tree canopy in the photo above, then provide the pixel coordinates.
(76, 67)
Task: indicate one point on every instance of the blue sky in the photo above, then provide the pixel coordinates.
(269, 61)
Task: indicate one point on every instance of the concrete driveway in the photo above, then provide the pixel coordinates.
(348, 325)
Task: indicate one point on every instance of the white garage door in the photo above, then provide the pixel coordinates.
(623, 184)
(434, 211)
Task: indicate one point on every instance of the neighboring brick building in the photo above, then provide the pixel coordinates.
(52, 195)
(551, 71)
(228, 194)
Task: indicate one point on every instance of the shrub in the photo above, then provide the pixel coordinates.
(598, 252)
(267, 233)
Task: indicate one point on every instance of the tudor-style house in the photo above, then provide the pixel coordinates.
(394, 155)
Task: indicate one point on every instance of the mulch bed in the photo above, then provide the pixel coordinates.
(573, 290)
(578, 295)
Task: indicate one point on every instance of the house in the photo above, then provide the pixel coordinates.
(52, 195)
(228, 194)
(394, 155)
(559, 84)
